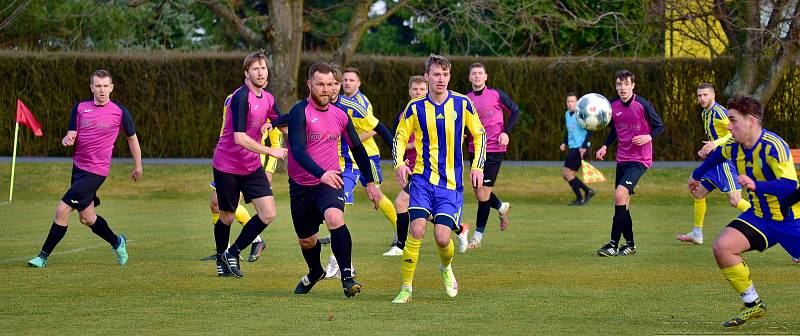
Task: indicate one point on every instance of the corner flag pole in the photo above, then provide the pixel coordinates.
(13, 163)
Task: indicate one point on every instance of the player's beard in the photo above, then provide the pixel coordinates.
(321, 100)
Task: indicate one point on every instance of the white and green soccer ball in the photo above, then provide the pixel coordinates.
(594, 112)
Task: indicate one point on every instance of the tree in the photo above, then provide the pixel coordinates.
(760, 34)
(537, 28)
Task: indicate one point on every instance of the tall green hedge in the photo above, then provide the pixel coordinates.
(176, 99)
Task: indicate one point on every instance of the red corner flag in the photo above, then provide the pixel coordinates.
(25, 117)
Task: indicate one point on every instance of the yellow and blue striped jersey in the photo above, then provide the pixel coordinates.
(769, 163)
(715, 123)
(438, 138)
(354, 111)
(363, 120)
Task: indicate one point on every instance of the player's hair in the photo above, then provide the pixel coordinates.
(746, 105)
(337, 73)
(477, 65)
(321, 67)
(353, 70)
(571, 94)
(416, 79)
(438, 60)
(622, 74)
(100, 74)
(704, 86)
(255, 57)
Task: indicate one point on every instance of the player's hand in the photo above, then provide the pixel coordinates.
(266, 128)
(69, 139)
(642, 139)
(136, 174)
(402, 175)
(279, 153)
(332, 179)
(601, 153)
(563, 147)
(476, 175)
(374, 194)
(582, 151)
(503, 139)
(746, 182)
(709, 147)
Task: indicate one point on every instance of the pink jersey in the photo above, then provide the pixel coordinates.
(492, 105)
(636, 117)
(98, 127)
(323, 130)
(245, 112)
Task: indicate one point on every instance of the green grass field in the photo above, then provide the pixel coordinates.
(540, 277)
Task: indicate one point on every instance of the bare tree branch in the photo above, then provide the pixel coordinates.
(359, 23)
(229, 16)
(7, 21)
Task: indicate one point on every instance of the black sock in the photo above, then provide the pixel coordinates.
(574, 184)
(627, 230)
(251, 230)
(402, 229)
(494, 201)
(55, 235)
(100, 228)
(342, 247)
(581, 185)
(618, 223)
(482, 216)
(222, 233)
(312, 260)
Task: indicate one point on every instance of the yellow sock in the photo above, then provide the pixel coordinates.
(446, 254)
(242, 215)
(743, 205)
(739, 277)
(410, 258)
(699, 212)
(214, 218)
(387, 207)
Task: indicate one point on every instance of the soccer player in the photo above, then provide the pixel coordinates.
(93, 128)
(722, 177)
(273, 138)
(315, 182)
(576, 139)
(349, 168)
(634, 124)
(417, 87)
(437, 122)
(767, 172)
(491, 105)
(237, 165)
(367, 127)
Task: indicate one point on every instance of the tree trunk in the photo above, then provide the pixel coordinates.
(359, 23)
(355, 30)
(287, 45)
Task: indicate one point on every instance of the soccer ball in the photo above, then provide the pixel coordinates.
(594, 112)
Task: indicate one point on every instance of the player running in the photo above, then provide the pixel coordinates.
(576, 142)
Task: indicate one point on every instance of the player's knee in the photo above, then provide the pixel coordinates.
(227, 217)
(267, 216)
(418, 232)
(443, 240)
(87, 220)
(621, 196)
(334, 218)
(723, 247)
(307, 243)
(214, 207)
